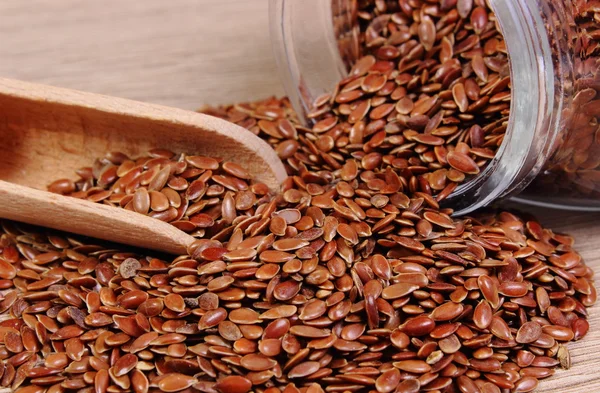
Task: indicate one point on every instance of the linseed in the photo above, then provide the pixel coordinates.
(199, 323)
(352, 278)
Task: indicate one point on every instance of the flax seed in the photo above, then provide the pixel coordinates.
(310, 287)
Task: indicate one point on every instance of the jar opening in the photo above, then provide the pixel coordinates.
(536, 94)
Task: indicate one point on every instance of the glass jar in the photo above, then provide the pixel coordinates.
(550, 154)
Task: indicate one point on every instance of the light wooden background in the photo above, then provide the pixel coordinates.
(174, 52)
(185, 53)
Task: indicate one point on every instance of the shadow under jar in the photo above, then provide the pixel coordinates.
(549, 153)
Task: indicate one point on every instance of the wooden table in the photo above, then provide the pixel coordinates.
(186, 53)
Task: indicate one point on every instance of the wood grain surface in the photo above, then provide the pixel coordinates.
(189, 52)
(177, 52)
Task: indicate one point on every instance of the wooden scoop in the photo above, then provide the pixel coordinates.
(46, 133)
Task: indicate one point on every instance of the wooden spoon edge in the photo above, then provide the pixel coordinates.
(268, 168)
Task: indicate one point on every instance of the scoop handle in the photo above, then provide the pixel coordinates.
(96, 220)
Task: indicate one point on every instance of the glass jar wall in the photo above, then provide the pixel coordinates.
(570, 177)
(550, 142)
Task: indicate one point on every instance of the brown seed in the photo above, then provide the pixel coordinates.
(388, 381)
(304, 369)
(141, 201)
(142, 342)
(202, 162)
(132, 299)
(229, 331)
(373, 82)
(500, 329)
(542, 299)
(174, 382)
(289, 244)
(486, 365)
(460, 97)
(427, 33)
(212, 318)
(208, 301)
(56, 361)
(556, 316)
(273, 256)
(580, 328)
(125, 364)
(400, 339)
(101, 381)
(513, 289)
(398, 290)
(544, 361)
(277, 329)
(404, 106)
(464, 8)
(31, 389)
(418, 326)
(116, 339)
(536, 372)
(381, 267)
(234, 384)
(287, 149)
(159, 180)
(7, 270)
(236, 170)
(12, 341)
(479, 67)
(413, 366)
(525, 384)
(286, 290)
(158, 201)
(466, 384)
(174, 302)
(74, 348)
(151, 307)
(139, 381)
(450, 344)
(283, 311)
(313, 309)
(428, 139)
(489, 290)
(489, 387)
(462, 162)
(528, 333)
(62, 186)
(309, 331)
(218, 284)
(244, 316)
(479, 19)
(257, 362)
(409, 386)
(270, 347)
(348, 346)
(560, 333)
(447, 311)
(482, 316)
